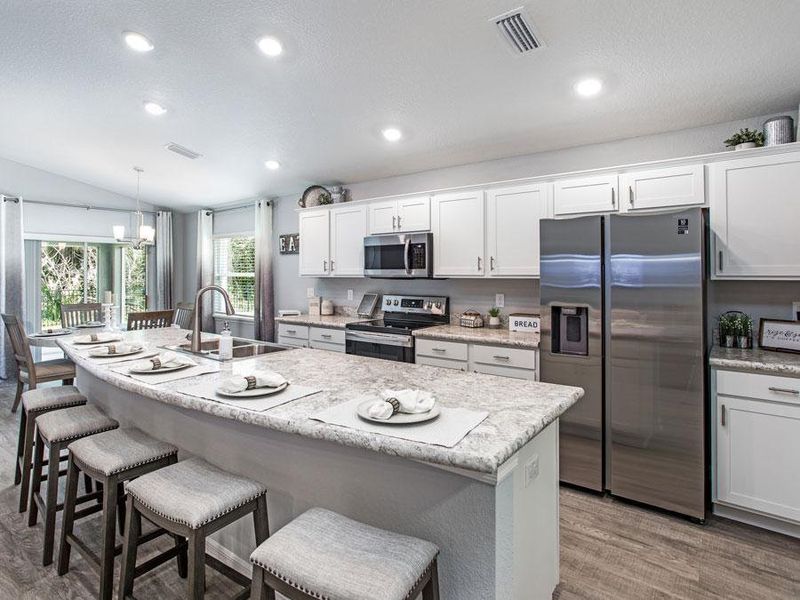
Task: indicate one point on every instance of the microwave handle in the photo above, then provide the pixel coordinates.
(406, 257)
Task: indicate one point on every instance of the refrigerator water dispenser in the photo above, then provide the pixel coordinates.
(570, 330)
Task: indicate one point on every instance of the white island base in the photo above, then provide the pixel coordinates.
(498, 534)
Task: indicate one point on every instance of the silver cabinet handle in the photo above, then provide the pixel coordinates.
(613, 198)
(325, 265)
(332, 262)
(326, 336)
(785, 391)
(292, 331)
(630, 194)
(398, 221)
(479, 263)
(498, 357)
(720, 261)
(394, 222)
(439, 349)
(722, 415)
(491, 263)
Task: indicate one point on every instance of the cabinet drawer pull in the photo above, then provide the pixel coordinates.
(394, 222)
(291, 331)
(722, 415)
(398, 221)
(479, 263)
(325, 265)
(439, 349)
(720, 261)
(499, 357)
(785, 391)
(326, 336)
(332, 265)
(491, 263)
(613, 198)
(630, 194)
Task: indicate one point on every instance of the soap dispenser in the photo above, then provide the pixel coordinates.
(226, 343)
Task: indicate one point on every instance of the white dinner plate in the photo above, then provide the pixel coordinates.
(89, 325)
(93, 353)
(97, 342)
(400, 418)
(255, 392)
(54, 333)
(157, 371)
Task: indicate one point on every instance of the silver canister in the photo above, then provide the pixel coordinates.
(778, 130)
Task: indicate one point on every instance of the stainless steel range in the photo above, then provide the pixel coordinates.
(391, 338)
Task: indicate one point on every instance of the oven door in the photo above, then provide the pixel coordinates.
(399, 348)
(399, 255)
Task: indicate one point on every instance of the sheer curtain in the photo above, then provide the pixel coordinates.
(205, 264)
(164, 260)
(12, 275)
(264, 310)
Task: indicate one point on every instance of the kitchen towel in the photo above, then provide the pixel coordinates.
(156, 377)
(446, 430)
(293, 392)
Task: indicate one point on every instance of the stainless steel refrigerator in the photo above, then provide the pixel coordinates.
(623, 316)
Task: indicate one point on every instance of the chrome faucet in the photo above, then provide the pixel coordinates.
(198, 312)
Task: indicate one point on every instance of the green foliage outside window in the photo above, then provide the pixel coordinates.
(234, 270)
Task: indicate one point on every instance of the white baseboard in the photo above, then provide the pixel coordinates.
(757, 520)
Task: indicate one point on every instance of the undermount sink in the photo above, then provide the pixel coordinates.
(242, 348)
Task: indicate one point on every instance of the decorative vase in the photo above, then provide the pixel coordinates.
(494, 321)
(744, 146)
(744, 341)
(729, 341)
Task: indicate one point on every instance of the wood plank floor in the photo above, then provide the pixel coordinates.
(609, 550)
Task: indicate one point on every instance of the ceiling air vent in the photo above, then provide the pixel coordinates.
(178, 149)
(517, 29)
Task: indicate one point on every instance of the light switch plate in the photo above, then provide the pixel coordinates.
(349, 294)
(310, 292)
(499, 300)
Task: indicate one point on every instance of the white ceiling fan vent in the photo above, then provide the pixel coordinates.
(182, 150)
(516, 28)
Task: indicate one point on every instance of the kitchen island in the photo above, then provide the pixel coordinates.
(490, 502)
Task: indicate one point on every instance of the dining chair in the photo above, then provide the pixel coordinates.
(150, 319)
(33, 373)
(75, 314)
(183, 315)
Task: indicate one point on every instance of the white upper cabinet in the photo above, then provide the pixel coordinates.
(595, 194)
(457, 221)
(755, 217)
(512, 229)
(315, 242)
(348, 228)
(400, 216)
(662, 188)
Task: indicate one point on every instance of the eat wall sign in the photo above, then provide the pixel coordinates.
(289, 243)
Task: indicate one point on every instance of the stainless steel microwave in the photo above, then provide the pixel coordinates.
(399, 255)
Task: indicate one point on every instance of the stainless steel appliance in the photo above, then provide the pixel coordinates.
(623, 302)
(391, 338)
(399, 256)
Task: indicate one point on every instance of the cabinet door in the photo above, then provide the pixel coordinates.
(458, 233)
(758, 444)
(414, 214)
(348, 228)
(512, 229)
(314, 243)
(586, 195)
(383, 217)
(662, 188)
(754, 216)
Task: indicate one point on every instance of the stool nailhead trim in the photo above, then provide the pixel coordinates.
(129, 466)
(81, 434)
(207, 521)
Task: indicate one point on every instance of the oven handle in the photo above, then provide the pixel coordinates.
(406, 257)
(387, 339)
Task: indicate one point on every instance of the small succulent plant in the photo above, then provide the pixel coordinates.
(746, 135)
(494, 312)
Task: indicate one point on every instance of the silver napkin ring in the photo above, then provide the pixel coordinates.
(93, 337)
(395, 405)
(251, 382)
(112, 349)
(156, 363)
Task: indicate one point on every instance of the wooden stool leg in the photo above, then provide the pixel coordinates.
(197, 565)
(20, 447)
(109, 537)
(53, 467)
(431, 589)
(133, 525)
(36, 482)
(261, 520)
(18, 396)
(27, 461)
(121, 507)
(68, 520)
(182, 558)
(257, 587)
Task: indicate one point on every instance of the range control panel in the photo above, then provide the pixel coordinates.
(432, 305)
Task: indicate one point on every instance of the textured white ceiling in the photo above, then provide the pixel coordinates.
(72, 92)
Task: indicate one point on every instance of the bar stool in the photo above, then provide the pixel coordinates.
(35, 403)
(322, 554)
(192, 499)
(56, 430)
(111, 458)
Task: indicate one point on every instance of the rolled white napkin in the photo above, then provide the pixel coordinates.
(404, 401)
(259, 379)
(162, 361)
(96, 337)
(112, 349)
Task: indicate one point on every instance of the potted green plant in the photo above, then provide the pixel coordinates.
(727, 331)
(745, 138)
(744, 330)
(494, 317)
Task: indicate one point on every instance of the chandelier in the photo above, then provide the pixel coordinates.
(146, 233)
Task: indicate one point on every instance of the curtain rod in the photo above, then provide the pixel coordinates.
(87, 206)
(239, 207)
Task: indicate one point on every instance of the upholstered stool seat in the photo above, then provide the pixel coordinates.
(55, 430)
(49, 398)
(111, 458)
(192, 499)
(322, 554)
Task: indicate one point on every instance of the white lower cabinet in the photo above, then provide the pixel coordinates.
(517, 363)
(758, 443)
(304, 336)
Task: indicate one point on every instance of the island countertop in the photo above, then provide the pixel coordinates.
(480, 335)
(518, 409)
(755, 360)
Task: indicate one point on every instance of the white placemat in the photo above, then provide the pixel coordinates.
(112, 358)
(156, 377)
(447, 429)
(293, 392)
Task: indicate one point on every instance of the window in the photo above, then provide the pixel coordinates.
(235, 271)
(134, 280)
(68, 276)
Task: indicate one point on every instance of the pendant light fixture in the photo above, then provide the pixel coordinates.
(146, 233)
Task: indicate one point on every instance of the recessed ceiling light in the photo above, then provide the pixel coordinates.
(138, 42)
(392, 134)
(270, 46)
(588, 87)
(272, 165)
(154, 108)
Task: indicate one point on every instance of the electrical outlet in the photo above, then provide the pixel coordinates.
(796, 311)
(349, 294)
(499, 300)
(310, 293)
(532, 470)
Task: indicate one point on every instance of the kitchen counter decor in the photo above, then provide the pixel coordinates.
(471, 319)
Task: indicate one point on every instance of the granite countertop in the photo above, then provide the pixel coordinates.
(755, 360)
(480, 335)
(330, 321)
(518, 409)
